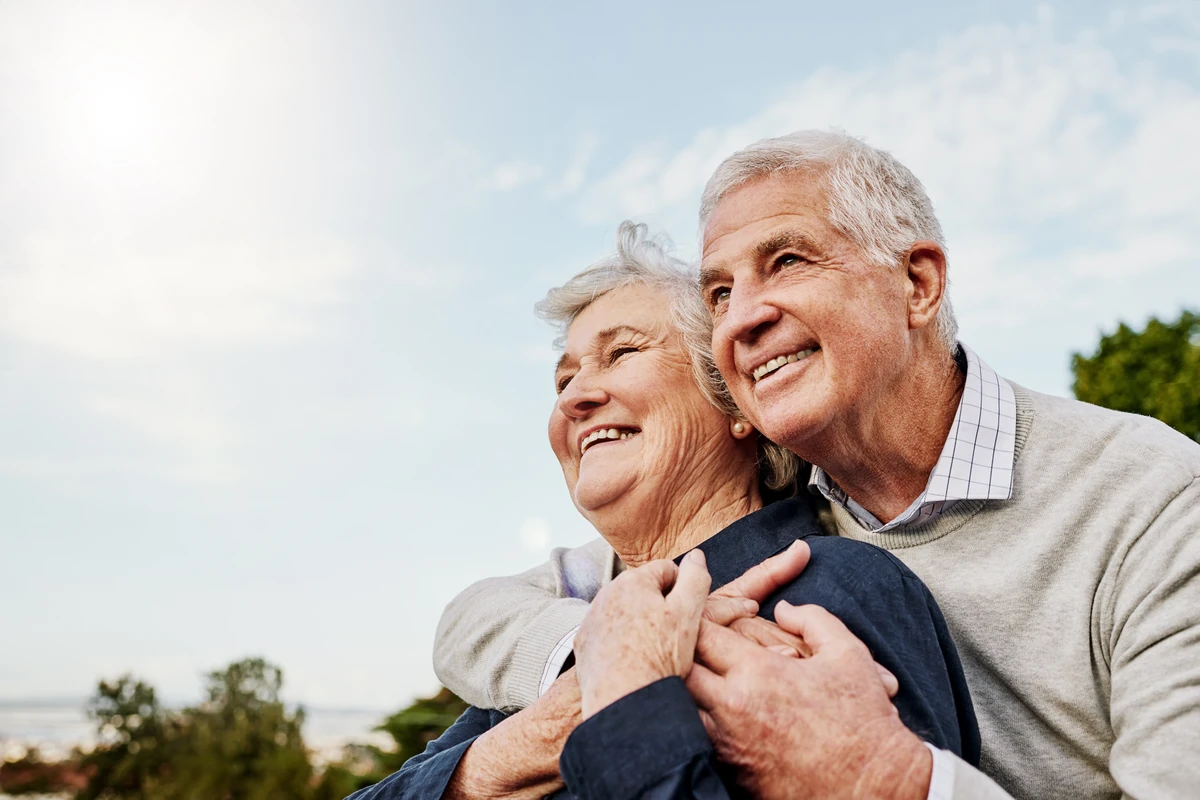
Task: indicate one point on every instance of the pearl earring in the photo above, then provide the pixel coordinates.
(738, 427)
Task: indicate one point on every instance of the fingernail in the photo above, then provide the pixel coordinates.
(793, 545)
(750, 606)
(783, 604)
(696, 556)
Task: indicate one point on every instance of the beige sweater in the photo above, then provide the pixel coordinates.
(1075, 606)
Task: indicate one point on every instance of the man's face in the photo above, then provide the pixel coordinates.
(809, 336)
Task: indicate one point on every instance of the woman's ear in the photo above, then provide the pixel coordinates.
(740, 429)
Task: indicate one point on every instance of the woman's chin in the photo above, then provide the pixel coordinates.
(594, 495)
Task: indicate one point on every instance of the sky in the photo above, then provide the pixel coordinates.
(270, 381)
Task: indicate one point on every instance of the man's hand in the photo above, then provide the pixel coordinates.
(820, 726)
(640, 628)
(741, 598)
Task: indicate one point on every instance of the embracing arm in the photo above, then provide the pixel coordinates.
(495, 640)
(1153, 643)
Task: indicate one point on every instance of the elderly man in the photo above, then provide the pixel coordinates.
(1059, 538)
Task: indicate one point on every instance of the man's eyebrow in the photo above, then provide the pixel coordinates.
(784, 240)
(710, 275)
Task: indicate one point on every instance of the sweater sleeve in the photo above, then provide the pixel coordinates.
(495, 639)
(968, 782)
(1153, 644)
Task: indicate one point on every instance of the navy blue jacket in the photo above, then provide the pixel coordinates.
(651, 744)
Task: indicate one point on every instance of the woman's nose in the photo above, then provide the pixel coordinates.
(581, 397)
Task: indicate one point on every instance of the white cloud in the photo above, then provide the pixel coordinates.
(535, 534)
(91, 297)
(575, 174)
(1054, 157)
(514, 174)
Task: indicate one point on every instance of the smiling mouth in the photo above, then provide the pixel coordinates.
(763, 370)
(606, 435)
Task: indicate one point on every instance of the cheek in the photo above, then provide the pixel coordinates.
(556, 431)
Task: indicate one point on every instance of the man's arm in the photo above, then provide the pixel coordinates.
(1152, 633)
(496, 639)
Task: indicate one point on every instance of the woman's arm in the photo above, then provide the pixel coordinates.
(484, 754)
(519, 757)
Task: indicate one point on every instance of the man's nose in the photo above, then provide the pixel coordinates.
(582, 395)
(747, 314)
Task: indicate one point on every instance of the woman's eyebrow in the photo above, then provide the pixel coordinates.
(602, 338)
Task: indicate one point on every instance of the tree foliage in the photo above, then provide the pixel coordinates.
(240, 743)
(1155, 372)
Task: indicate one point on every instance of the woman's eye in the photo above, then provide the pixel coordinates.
(620, 351)
(561, 384)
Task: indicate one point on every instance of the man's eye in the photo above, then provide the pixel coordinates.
(787, 260)
(720, 295)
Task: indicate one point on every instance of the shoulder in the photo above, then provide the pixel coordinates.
(1074, 431)
(862, 560)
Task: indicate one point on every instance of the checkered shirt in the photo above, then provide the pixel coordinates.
(976, 461)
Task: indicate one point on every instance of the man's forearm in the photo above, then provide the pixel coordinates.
(495, 639)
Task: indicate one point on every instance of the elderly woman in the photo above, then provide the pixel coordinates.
(657, 458)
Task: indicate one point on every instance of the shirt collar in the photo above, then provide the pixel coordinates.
(976, 462)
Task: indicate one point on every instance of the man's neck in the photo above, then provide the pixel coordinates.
(884, 461)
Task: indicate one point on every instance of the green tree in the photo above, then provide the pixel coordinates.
(241, 743)
(1155, 372)
(135, 735)
(417, 725)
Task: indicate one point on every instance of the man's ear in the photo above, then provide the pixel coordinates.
(925, 267)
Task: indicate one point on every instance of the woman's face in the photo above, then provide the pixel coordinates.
(630, 425)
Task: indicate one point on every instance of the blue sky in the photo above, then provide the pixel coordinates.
(269, 378)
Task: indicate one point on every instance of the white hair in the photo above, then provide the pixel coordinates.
(645, 259)
(873, 199)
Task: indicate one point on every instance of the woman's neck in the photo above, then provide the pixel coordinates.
(690, 519)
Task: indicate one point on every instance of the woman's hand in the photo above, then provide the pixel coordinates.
(519, 757)
(641, 627)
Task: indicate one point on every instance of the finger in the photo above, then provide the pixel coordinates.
(759, 581)
(724, 610)
(890, 684)
(662, 574)
(686, 601)
(720, 648)
(692, 582)
(816, 626)
(705, 686)
(770, 636)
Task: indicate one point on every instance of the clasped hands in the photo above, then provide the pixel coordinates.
(798, 707)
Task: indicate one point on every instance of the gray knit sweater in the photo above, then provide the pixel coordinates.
(1075, 606)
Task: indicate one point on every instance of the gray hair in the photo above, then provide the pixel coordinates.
(645, 259)
(873, 199)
